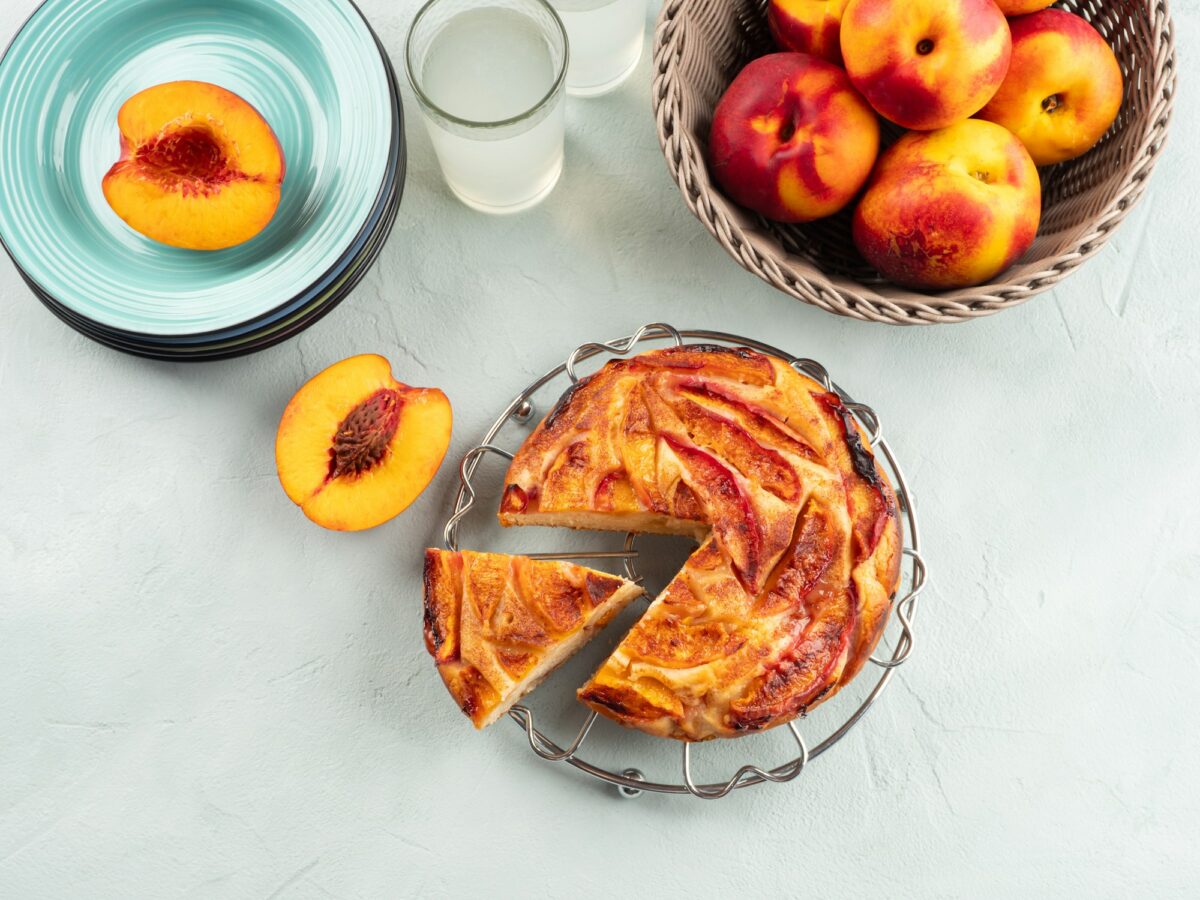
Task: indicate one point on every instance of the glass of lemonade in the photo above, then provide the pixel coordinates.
(606, 42)
(489, 76)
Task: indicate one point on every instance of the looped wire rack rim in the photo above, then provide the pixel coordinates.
(631, 781)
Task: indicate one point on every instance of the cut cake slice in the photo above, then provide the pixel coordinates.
(497, 625)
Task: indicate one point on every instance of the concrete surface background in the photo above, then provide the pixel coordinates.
(204, 695)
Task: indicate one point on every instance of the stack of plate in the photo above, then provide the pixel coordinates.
(319, 76)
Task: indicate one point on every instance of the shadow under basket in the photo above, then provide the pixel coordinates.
(701, 45)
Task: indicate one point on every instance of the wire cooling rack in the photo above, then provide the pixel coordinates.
(630, 781)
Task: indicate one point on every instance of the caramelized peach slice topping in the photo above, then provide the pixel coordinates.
(825, 621)
(515, 499)
(802, 676)
(727, 507)
(869, 502)
(737, 364)
(616, 493)
(694, 639)
(759, 424)
(812, 554)
(733, 444)
(639, 452)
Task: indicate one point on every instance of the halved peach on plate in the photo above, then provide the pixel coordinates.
(356, 447)
(200, 168)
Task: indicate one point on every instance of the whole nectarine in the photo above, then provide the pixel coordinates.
(949, 208)
(925, 64)
(1064, 86)
(355, 447)
(808, 26)
(200, 168)
(792, 139)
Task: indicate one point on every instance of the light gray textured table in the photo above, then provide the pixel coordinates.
(207, 696)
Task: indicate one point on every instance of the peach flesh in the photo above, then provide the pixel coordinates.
(188, 160)
(200, 168)
(355, 447)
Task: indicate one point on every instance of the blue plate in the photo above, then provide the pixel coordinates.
(289, 319)
(312, 67)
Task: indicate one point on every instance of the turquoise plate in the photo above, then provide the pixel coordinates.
(312, 67)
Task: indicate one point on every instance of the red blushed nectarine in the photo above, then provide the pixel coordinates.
(792, 139)
(925, 64)
(1064, 86)
(949, 208)
(808, 26)
(355, 447)
(199, 169)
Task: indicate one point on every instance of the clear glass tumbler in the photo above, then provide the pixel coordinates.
(606, 42)
(489, 76)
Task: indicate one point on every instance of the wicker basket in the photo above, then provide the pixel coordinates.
(700, 45)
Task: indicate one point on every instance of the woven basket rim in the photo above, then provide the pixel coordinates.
(763, 255)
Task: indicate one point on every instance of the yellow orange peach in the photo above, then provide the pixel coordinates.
(949, 208)
(1064, 86)
(808, 26)
(792, 139)
(925, 64)
(355, 447)
(200, 168)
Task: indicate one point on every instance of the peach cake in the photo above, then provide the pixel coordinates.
(496, 625)
(800, 543)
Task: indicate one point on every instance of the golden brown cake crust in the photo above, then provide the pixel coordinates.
(791, 587)
(497, 624)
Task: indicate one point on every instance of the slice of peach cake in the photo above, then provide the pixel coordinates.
(497, 625)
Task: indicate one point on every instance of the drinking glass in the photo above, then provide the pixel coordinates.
(606, 42)
(489, 77)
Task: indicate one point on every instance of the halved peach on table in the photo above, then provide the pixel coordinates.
(355, 447)
(200, 168)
